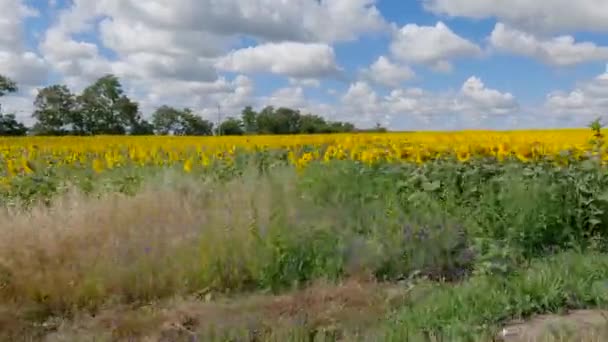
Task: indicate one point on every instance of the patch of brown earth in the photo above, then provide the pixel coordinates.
(579, 325)
(354, 308)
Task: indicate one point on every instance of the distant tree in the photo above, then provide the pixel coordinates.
(7, 86)
(311, 124)
(278, 121)
(167, 120)
(104, 109)
(377, 129)
(231, 126)
(143, 127)
(249, 119)
(265, 122)
(9, 126)
(288, 120)
(54, 110)
(193, 124)
(340, 127)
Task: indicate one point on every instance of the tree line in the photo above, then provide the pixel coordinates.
(104, 109)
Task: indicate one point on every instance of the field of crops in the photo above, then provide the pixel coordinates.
(29, 155)
(516, 221)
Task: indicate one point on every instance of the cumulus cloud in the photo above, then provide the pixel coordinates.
(431, 45)
(274, 20)
(475, 97)
(559, 51)
(545, 15)
(16, 61)
(471, 106)
(271, 20)
(292, 97)
(298, 60)
(387, 73)
(305, 82)
(204, 97)
(186, 44)
(583, 103)
(12, 14)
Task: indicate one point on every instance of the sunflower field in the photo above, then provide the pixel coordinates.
(23, 156)
(29, 165)
(200, 215)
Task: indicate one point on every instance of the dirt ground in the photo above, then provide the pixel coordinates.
(353, 308)
(579, 325)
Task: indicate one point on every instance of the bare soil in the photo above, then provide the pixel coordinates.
(579, 325)
(354, 308)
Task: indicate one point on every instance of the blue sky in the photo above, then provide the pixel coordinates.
(408, 64)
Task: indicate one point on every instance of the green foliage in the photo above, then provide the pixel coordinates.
(9, 126)
(289, 121)
(54, 111)
(7, 86)
(479, 305)
(103, 108)
(231, 126)
(169, 120)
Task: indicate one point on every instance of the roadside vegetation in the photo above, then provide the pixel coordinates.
(366, 236)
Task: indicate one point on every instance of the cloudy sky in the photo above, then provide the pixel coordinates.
(408, 64)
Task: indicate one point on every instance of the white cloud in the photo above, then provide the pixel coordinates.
(387, 73)
(125, 36)
(78, 62)
(203, 97)
(16, 61)
(305, 82)
(431, 45)
(537, 15)
(583, 103)
(174, 47)
(298, 60)
(12, 14)
(560, 51)
(25, 68)
(292, 97)
(475, 97)
(144, 65)
(275, 20)
(473, 105)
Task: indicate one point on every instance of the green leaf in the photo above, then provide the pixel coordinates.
(431, 186)
(603, 197)
(594, 221)
(588, 165)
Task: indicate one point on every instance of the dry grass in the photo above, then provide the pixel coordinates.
(353, 308)
(83, 253)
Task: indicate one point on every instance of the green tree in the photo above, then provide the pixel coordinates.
(278, 121)
(231, 126)
(167, 120)
(9, 126)
(143, 127)
(193, 124)
(7, 86)
(54, 110)
(104, 109)
(311, 124)
(265, 122)
(249, 119)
